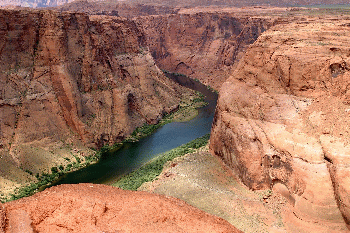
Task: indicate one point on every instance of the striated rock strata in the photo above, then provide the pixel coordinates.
(116, 8)
(203, 45)
(282, 121)
(237, 3)
(68, 82)
(100, 208)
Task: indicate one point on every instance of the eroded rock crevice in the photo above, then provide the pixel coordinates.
(337, 192)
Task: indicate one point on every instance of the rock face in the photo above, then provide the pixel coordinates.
(177, 3)
(100, 208)
(116, 8)
(68, 80)
(282, 121)
(236, 3)
(204, 46)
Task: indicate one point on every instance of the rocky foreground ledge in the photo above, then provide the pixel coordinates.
(282, 121)
(101, 208)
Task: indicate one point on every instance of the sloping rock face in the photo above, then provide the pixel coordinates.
(204, 46)
(282, 121)
(69, 81)
(100, 208)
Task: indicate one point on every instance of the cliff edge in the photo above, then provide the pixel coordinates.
(101, 208)
(70, 82)
(282, 121)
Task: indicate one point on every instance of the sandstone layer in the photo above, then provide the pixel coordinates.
(203, 43)
(176, 3)
(116, 8)
(282, 121)
(68, 82)
(205, 46)
(236, 3)
(100, 208)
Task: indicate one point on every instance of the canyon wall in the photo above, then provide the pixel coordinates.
(203, 43)
(236, 3)
(175, 3)
(282, 121)
(116, 8)
(205, 46)
(68, 82)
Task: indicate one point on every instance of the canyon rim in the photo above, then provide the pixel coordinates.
(86, 74)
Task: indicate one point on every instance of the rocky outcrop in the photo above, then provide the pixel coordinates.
(204, 46)
(282, 121)
(117, 8)
(237, 3)
(100, 208)
(68, 82)
(163, 4)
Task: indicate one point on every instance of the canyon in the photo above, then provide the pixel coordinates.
(204, 46)
(203, 43)
(71, 82)
(173, 3)
(91, 80)
(80, 77)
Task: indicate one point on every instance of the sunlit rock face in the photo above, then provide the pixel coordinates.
(102, 208)
(70, 82)
(282, 121)
(205, 46)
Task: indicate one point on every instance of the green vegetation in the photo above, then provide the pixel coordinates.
(187, 110)
(54, 170)
(212, 89)
(153, 168)
(147, 129)
(29, 172)
(45, 179)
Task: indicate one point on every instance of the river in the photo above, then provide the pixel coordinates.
(133, 155)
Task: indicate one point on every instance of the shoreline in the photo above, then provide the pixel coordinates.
(188, 109)
(204, 181)
(152, 169)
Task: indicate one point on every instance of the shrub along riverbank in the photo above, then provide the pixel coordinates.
(153, 168)
(187, 110)
(45, 179)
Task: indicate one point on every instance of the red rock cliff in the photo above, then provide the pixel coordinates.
(282, 121)
(203, 45)
(71, 81)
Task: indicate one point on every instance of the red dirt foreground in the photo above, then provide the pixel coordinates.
(100, 208)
